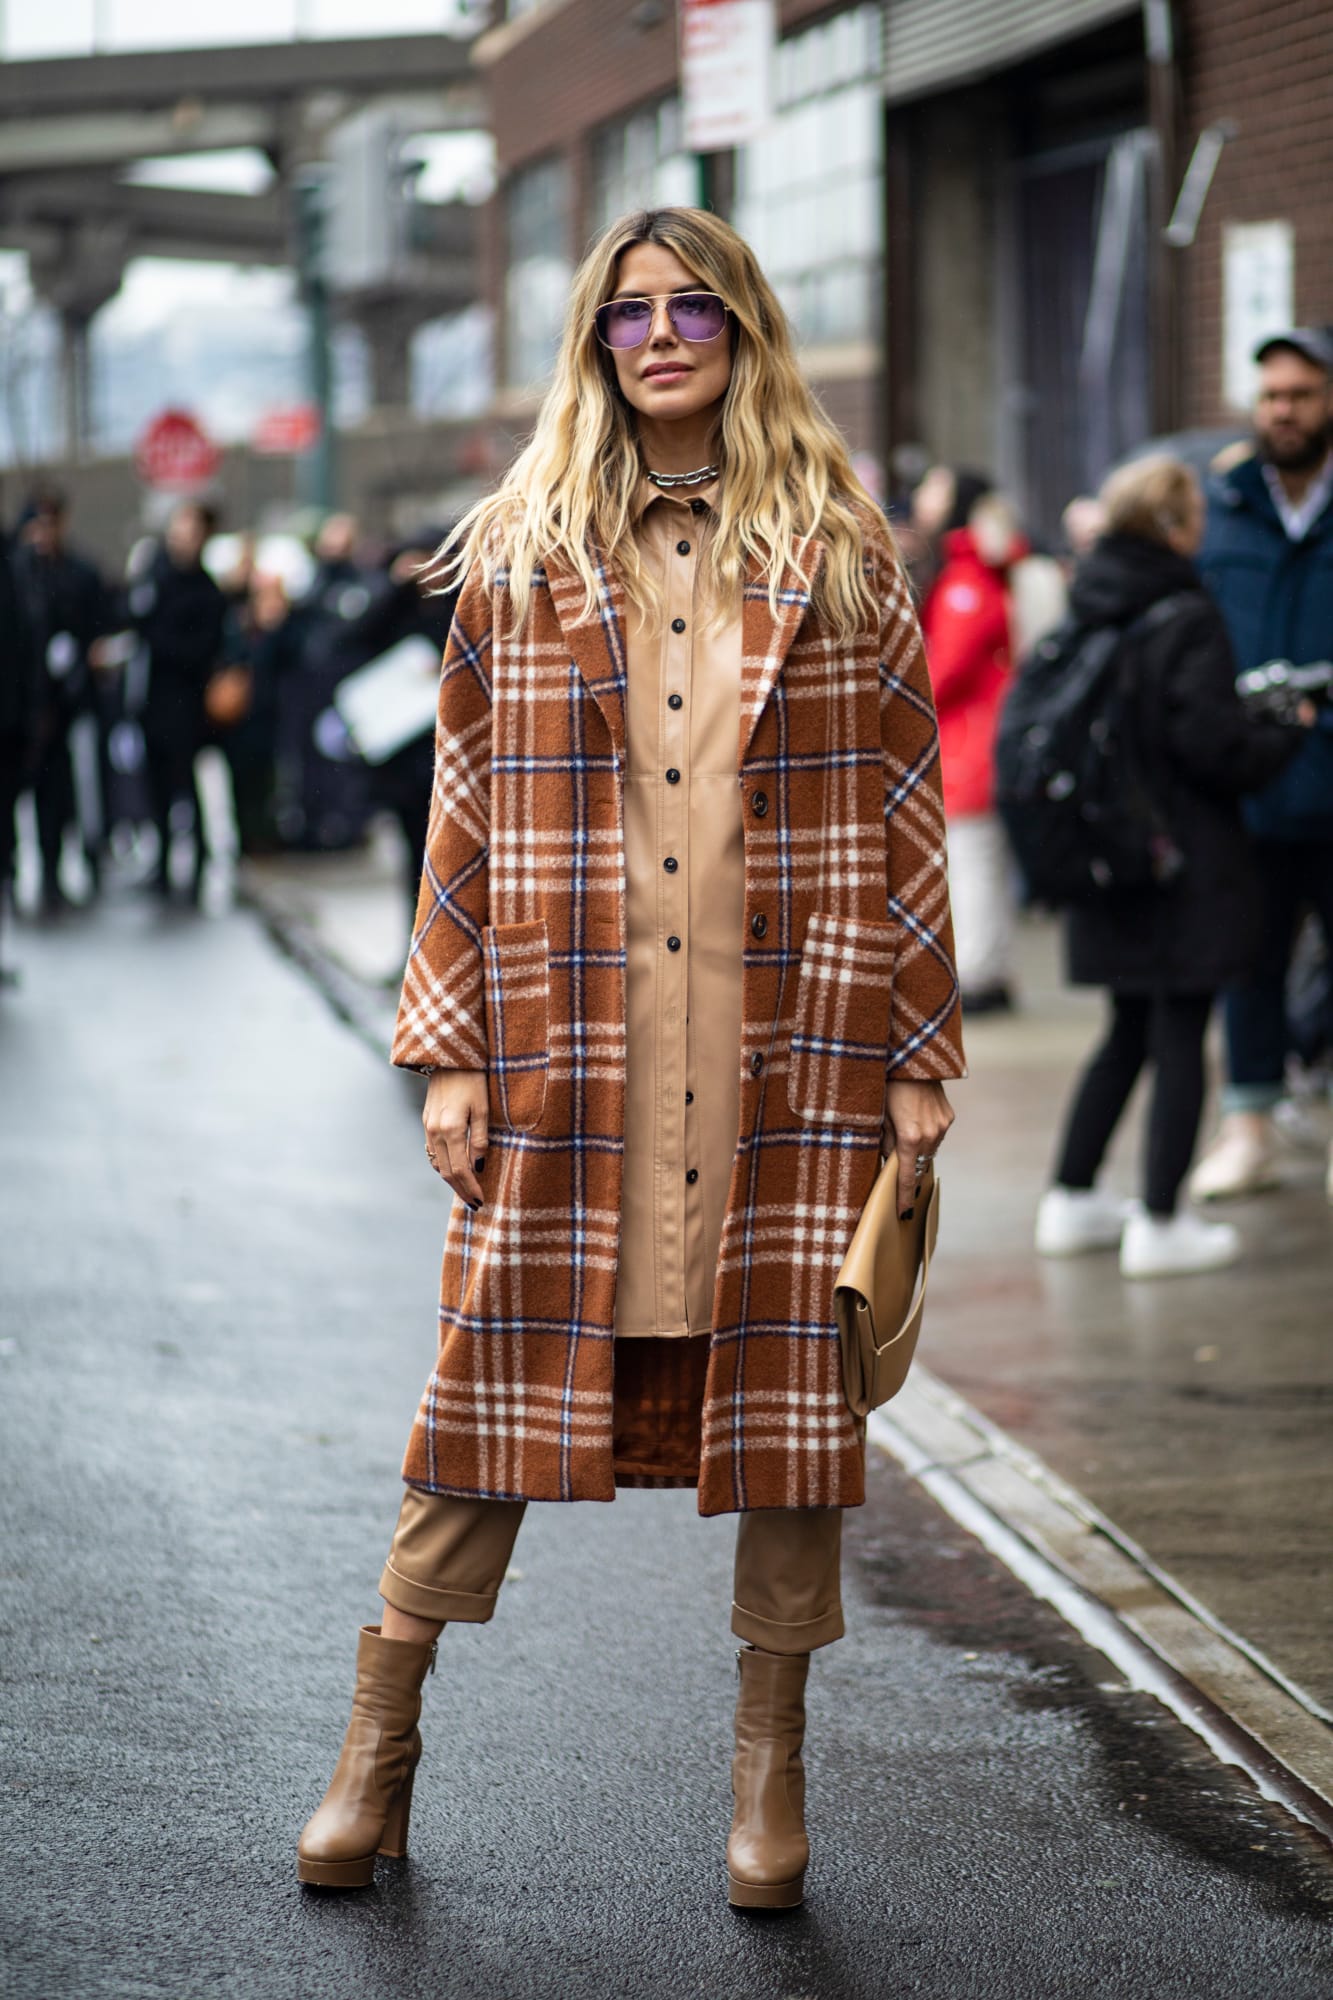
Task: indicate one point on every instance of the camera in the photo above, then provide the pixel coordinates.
(1277, 688)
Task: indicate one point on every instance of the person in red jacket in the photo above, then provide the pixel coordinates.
(967, 624)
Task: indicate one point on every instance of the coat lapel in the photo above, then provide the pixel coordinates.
(596, 644)
(767, 637)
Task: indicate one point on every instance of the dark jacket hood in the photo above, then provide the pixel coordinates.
(1122, 576)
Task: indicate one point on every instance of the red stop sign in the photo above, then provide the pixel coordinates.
(175, 453)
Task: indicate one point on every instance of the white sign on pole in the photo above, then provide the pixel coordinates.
(1258, 290)
(726, 71)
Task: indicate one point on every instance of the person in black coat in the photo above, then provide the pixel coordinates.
(402, 783)
(180, 614)
(68, 610)
(20, 704)
(1163, 953)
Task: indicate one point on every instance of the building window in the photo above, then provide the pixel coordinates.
(809, 190)
(538, 271)
(640, 162)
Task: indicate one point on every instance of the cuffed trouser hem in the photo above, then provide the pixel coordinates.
(449, 1555)
(771, 1637)
(419, 1600)
(786, 1596)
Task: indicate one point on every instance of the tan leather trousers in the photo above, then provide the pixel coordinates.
(448, 1559)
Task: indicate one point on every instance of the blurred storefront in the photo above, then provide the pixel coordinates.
(962, 203)
(1023, 182)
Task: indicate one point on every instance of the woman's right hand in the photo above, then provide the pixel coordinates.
(456, 1120)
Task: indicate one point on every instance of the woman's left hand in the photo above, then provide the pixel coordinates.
(917, 1117)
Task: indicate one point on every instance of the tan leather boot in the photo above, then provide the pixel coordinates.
(365, 1810)
(768, 1851)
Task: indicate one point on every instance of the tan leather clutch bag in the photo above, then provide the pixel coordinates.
(880, 1293)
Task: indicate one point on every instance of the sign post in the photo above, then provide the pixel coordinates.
(316, 473)
(726, 71)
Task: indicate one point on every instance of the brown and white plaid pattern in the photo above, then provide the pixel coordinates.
(518, 965)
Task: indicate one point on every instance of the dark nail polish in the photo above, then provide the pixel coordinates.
(474, 1206)
(477, 1165)
(907, 1214)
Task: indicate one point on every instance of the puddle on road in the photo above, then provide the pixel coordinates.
(911, 1559)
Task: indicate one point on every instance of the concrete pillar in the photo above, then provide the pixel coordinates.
(75, 383)
(77, 275)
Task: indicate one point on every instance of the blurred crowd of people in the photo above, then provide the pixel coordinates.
(1200, 588)
(110, 689)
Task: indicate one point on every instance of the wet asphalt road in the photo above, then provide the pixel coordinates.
(218, 1259)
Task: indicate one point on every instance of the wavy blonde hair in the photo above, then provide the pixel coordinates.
(786, 474)
(1150, 497)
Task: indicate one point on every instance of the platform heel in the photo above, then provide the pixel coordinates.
(366, 1808)
(768, 1852)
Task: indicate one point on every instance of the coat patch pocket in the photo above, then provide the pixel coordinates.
(839, 1053)
(516, 972)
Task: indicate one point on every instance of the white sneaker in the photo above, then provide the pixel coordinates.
(1239, 1161)
(1299, 1121)
(1170, 1247)
(1072, 1220)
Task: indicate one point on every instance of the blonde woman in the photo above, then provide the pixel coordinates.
(682, 967)
(1162, 952)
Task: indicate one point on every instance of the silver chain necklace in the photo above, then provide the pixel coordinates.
(666, 480)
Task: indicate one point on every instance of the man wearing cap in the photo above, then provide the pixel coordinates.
(1268, 561)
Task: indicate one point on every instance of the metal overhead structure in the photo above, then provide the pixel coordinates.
(71, 127)
(257, 73)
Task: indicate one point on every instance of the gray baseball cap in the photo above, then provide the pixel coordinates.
(1310, 341)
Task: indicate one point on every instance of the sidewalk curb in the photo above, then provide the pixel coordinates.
(1067, 1552)
(357, 1006)
(1047, 1533)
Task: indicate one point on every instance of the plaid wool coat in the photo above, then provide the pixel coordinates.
(517, 966)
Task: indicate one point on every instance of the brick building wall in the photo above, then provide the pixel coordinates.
(1270, 68)
(554, 74)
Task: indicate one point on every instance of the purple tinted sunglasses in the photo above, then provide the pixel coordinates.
(696, 316)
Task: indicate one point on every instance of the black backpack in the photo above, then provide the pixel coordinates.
(1072, 784)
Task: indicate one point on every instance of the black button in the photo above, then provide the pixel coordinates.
(673, 776)
(756, 1063)
(678, 624)
(698, 506)
(671, 864)
(682, 548)
(759, 923)
(758, 804)
(689, 1097)
(673, 944)
(673, 701)
(692, 1176)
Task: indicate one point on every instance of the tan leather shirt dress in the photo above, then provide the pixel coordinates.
(685, 877)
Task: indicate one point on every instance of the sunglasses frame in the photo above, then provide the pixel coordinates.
(666, 299)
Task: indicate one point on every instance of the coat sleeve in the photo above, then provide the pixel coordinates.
(1208, 734)
(441, 1013)
(926, 1040)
